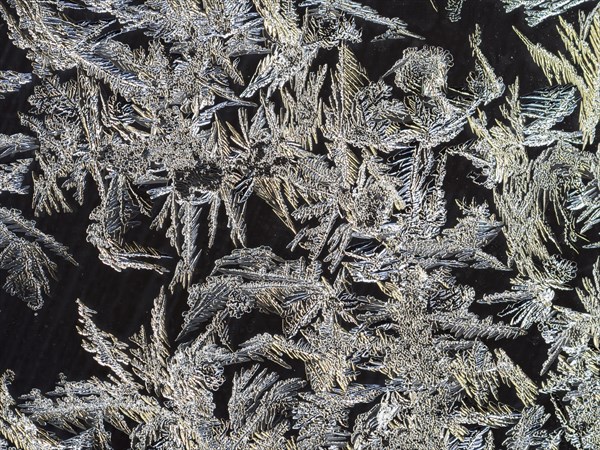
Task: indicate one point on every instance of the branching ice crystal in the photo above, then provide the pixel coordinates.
(536, 11)
(23, 256)
(581, 72)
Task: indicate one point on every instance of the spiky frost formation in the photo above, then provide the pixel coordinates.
(380, 340)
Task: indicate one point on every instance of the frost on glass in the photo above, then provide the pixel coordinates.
(380, 334)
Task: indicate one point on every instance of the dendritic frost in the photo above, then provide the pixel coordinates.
(174, 116)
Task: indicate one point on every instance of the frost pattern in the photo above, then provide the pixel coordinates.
(378, 339)
(537, 11)
(23, 255)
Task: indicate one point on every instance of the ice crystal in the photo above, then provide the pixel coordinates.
(581, 72)
(537, 11)
(24, 257)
